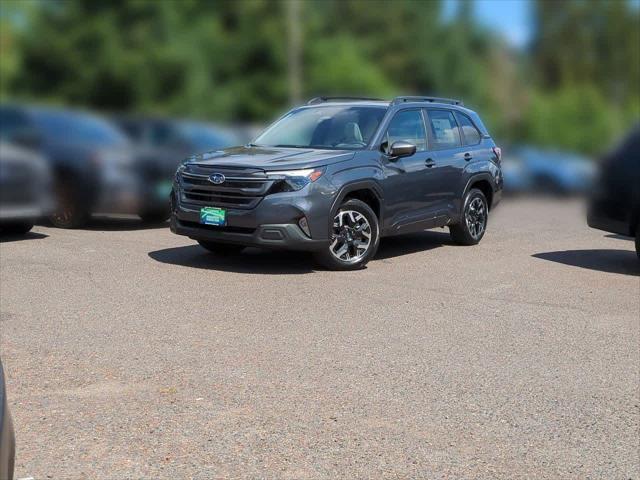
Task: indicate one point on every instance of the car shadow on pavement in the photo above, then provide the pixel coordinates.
(612, 261)
(274, 262)
(251, 260)
(391, 247)
(7, 237)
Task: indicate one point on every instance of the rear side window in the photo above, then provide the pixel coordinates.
(408, 126)
(470, 134)
(444, 129)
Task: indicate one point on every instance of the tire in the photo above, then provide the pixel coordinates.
(221, 248)
(638, 241)
(159, 216)
(351, 224)
(69, 212)
(16, 228)
(476, 210)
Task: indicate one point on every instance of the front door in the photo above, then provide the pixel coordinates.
(407, 198)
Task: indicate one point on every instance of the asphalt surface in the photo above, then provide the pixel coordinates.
(132, 353)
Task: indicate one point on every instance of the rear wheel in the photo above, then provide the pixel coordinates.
(638, 241)
(221, 248)
(16, 228)
(354, 237)
(473, 223)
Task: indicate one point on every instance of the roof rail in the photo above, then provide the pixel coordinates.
(451, 101)
(316, 100)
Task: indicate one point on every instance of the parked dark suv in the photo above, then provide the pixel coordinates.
(337, 174)
(614, 204)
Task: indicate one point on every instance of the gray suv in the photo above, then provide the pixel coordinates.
(336, 175)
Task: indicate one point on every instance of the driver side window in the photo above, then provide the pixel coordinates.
(407, 126)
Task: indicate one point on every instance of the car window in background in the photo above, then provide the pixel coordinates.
(200, 136)
(133, 130)
(408, 126)
(78, 128)
(11, 122)
(444, 128)
(470, 134)
(334, 126)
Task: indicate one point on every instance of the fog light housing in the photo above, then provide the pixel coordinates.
(304, 226)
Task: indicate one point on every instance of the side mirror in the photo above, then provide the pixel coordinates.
(401, 149)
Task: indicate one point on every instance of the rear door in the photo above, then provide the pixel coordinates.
(475, 152)
(450, 158)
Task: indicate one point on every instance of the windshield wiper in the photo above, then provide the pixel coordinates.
(283, 145)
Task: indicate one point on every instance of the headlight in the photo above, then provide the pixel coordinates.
(297, 179)
(184, 164)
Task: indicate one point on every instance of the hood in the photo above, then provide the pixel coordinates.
(272, 158)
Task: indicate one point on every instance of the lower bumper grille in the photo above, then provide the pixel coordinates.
(241, 230)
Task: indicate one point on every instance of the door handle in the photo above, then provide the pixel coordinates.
(467, 156)
(429, 163)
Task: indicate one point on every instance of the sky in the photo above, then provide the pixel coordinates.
(512, 18)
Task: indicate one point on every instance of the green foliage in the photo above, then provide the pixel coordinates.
(228, 60)
(575, 119)
(337, 65)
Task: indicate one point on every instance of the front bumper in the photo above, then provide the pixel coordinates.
(607, 224)
(132, 194)
(273, 223)
(21, 212)
(279, 236)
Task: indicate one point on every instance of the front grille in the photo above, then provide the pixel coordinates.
(242, 188)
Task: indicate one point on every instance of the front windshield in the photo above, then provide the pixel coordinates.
(326, 126)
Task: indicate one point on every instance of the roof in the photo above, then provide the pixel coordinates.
(395, 101)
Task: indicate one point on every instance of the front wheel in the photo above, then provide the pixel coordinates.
(354, 237)
(638, 241)
(473, 224)
(70, 211)
(220, 248)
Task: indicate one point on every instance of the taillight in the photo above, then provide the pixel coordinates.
(498, 153)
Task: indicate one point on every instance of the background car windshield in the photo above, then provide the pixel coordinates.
(79, 128)
(204, 137)
(335, 126)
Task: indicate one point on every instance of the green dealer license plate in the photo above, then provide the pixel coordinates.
(213, 216)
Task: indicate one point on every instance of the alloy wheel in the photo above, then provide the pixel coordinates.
(351, 236)
(476, 217)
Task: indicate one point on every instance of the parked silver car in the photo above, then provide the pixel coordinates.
(25, 188)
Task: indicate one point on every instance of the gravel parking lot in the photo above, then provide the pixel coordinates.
(131, 352)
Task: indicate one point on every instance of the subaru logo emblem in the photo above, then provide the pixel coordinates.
(217, 178)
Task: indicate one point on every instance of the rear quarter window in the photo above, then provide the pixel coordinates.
(470, 134)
